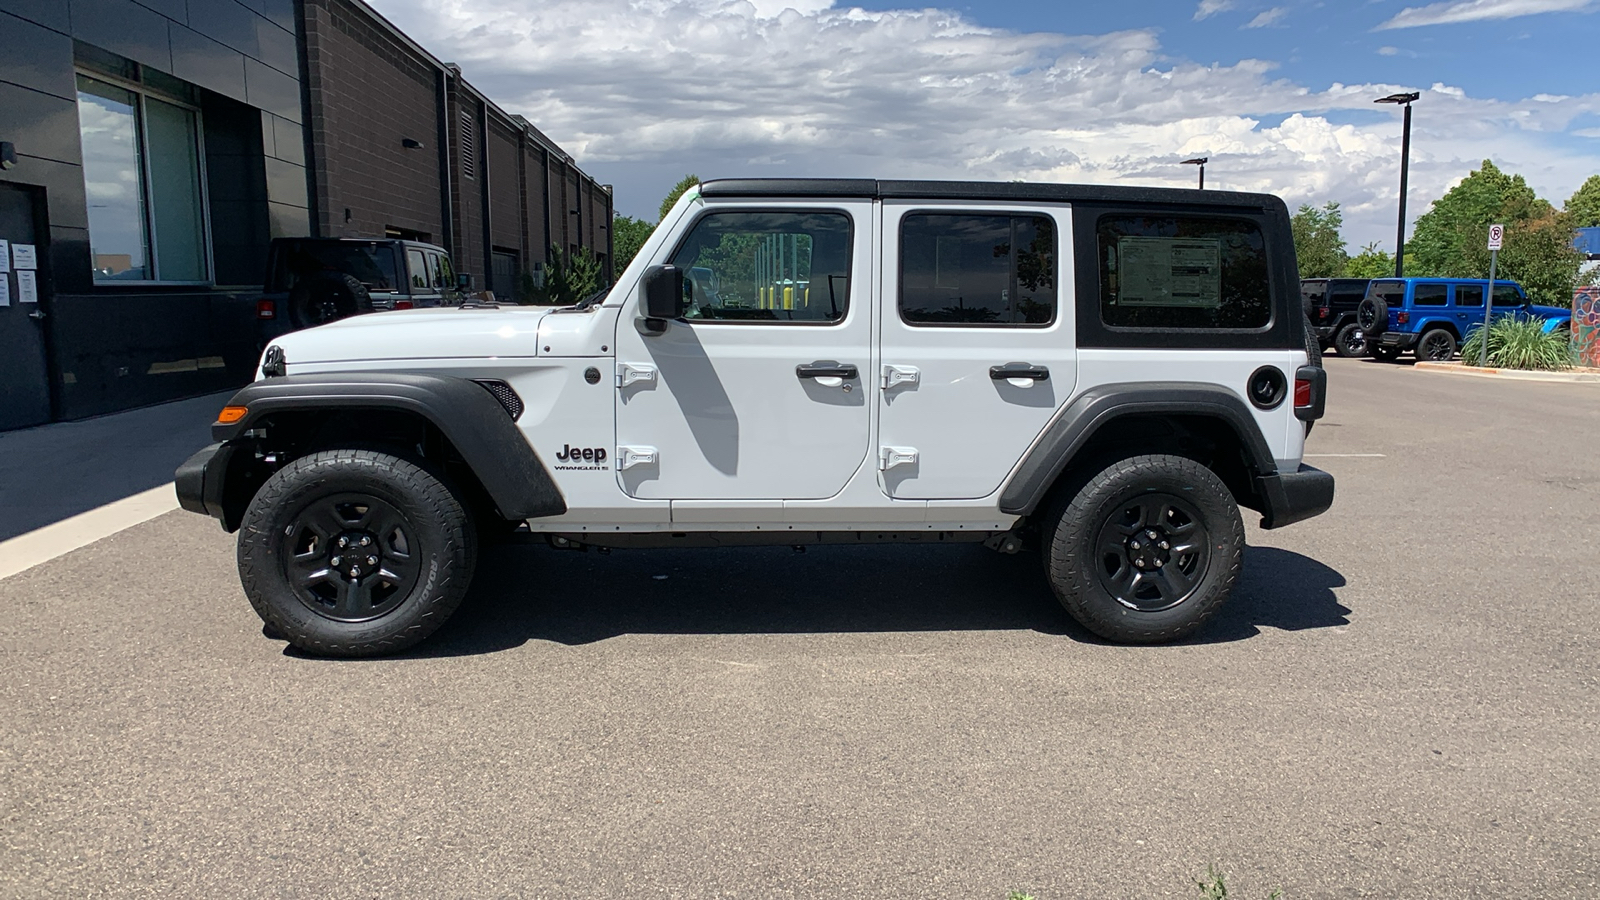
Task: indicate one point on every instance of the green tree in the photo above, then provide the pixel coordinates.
(1370, 263)
(627, 236)
(1584, 205)
(1451, 238)
(1317, 244)
(568, 278)
(677, 191)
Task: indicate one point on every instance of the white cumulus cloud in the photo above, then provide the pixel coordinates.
(643, 91)
(1209, 8)
(1477, 10)
(1268, 17)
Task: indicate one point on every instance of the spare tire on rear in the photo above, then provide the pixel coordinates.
(1373, 317)
(327, 297)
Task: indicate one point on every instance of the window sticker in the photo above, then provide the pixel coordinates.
(1171, 272)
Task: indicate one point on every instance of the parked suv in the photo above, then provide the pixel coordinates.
(1331, 305)
(1101, 375)
(1431, 316)
(313, 281)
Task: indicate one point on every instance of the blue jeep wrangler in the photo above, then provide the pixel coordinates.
(1431, 316)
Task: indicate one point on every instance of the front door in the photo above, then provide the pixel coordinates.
(24, 371)
(978, 347)
(759, 392)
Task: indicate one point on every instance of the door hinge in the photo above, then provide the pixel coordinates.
(897, 375)
(635, 373)
(889, 457)
(628, 457)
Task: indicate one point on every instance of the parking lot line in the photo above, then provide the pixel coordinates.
(25, 551)
(1346, 455)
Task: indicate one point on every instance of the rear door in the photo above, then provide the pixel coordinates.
(24, 378)
(977, 343)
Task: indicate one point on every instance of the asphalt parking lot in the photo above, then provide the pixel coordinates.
(1400, 702)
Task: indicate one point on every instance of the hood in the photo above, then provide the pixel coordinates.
(1549, 312)
(441, 333)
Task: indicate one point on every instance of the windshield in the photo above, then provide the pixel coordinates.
(371, 264)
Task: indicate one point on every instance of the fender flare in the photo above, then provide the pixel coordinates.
(1092, 410)
(471, 419)
(1555, 323)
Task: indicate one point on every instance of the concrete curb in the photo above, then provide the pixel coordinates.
(25, 551)
(1456, 368)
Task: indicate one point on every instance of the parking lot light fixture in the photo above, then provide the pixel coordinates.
(1201, 162)
(1405, 158)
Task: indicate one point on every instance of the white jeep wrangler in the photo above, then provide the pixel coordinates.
(1104, 375)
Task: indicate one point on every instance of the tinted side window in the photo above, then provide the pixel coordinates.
(1347, 294)
(1390, 292)
(419, 270)
(1469, 295)
(767, 267)
(435, 277)
(1430, 294)
(1182, 272)
(977, 270)
(1506, 295)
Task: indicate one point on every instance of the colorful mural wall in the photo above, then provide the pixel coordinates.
(1586, 326)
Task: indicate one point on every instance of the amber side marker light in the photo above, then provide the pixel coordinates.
(230, 415)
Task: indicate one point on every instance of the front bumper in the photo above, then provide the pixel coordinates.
(201, 482)
(1290, 497)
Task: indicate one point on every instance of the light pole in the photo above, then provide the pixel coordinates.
(1405, 160)
(1201, 162)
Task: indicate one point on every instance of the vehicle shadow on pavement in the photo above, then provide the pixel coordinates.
(523, 594)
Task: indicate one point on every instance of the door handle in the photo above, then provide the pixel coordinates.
(827, 369)
(1019, 370)
(36, 315)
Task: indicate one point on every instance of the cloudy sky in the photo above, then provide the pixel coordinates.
(1278, 93)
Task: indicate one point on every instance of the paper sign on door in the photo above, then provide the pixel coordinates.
(23, 256)
(5, 289)
(5, 256)
(27, 286)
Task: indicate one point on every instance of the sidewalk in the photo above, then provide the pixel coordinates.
(1457, 367)
(53, 472)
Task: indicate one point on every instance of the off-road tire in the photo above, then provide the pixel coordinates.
(1385, 354)
(1075, 534)
(433, 534)
(1436, 345)
(1350, 342)
(1373, 316)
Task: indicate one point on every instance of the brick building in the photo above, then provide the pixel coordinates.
(150, 150)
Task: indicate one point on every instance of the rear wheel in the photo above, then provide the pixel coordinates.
(355, 553)
(1147, 551)
(1350, 342)
(1437, 345)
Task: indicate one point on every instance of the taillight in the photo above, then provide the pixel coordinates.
(266, 309)
(1310, 393)
(1402, 317)
(1302, 392)
(402, 304)
(1322, 312)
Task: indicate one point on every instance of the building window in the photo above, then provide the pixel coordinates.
(142, 174)
(469, 158)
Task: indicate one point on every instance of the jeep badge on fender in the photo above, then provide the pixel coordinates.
(1052, 369)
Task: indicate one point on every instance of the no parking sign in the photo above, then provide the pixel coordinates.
(1497, 234)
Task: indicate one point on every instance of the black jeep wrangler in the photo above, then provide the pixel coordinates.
(313, 281)
(1331, 305)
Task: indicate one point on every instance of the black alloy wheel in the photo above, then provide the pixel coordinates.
(1147, 550)
(1437, 345)
(1351, 342)
(1373, 317)
(1152, 552)
(355, 552)
(350, 557)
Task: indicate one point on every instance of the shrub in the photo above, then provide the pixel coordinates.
(1519, 342)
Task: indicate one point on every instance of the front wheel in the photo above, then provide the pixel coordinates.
(355, 553)
(1147, 551)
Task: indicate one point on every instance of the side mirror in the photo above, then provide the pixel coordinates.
(663, 293)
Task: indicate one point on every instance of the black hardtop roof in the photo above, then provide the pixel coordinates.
(982, 190)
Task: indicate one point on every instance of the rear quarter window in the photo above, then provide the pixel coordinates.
(1183, 272)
